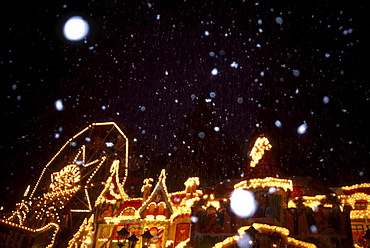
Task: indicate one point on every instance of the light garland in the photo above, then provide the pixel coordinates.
(300, 243)
(42, 229)
(110, 187)
(226, 242)
(267, 182)
(261, 145)
(175, 207)
(87, 225)
(265, 227)
(269, 228)
(356, 186)
(161, 184)
(182, 244)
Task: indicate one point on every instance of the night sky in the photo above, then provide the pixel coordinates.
(143, 65)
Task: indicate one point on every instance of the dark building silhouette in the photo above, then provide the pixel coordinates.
(202, 149)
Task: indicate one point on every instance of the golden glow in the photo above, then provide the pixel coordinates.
(109, 186)
(161, 185)
(84, 234)
(175, 207)
(147, 184)
(66, 178)
(258, 150)
(27, 191)
(265, 227)
(82, 151)
(226, 242)
(42, 229)
(300, 243)
(182, 244)
(284, 232)
(265, 183)
(356, 186)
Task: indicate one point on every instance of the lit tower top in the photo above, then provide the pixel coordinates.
(262, 162)
(258, 150)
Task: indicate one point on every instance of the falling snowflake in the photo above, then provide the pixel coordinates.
(59, 105)
(302, 128)
(214, 71)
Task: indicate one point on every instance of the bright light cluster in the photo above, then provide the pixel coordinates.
(267, 182)
(264, 228)
(356, 186)
(170, 209)
(261, 145)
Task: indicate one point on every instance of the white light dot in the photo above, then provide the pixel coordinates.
(206, 33)
(201, 135)
(234, 65)
(214, 71)
(242, 203)
(245, 241)
(272, 190)
(194, 219)
(109, 144)
(59, 105)
(279, 20)
(313, 229)
(278, 123)
(302, 128)
(75, 28)
(216, 129)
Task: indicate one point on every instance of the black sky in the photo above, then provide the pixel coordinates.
(143, 63)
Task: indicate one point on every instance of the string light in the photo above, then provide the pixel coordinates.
(170, 209)
(267, 182)
(261, 145)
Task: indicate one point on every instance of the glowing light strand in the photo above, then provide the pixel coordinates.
(258, 150)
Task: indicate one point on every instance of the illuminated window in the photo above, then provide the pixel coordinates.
(128, 212)
(357, 228)
(360, 205)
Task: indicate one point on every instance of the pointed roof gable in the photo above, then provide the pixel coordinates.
(113, 189)
(159, 187)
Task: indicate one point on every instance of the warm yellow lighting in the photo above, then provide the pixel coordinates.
(183, 243)
(66, 178)
(300, 243)
(258, 150)
(356, 186)
(27, 190)
(111, 186)
(259, 226)
(265, 183)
